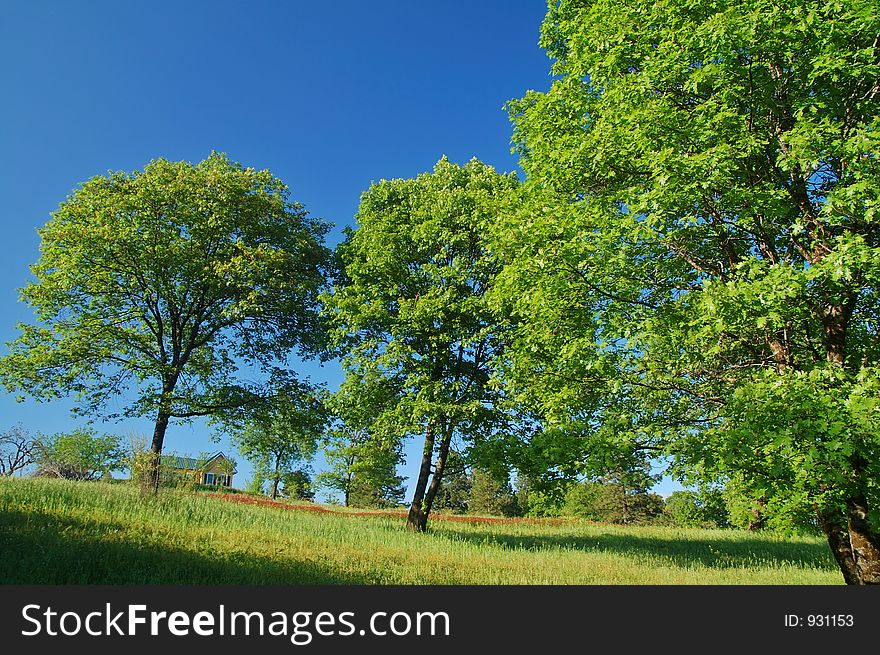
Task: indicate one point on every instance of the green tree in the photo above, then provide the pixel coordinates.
(533, 500)
(489, 495)
(297, 484)
(158, 285)
(411, 308)
(79, 455)
(281, 433)
(257, 484)
(612, 502)
(362, 457)
(454, 493)
(697, 509)
(702, 242)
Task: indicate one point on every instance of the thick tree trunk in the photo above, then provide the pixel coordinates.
(417, 520)
(437, 479)
(838, 540)
(864, 542)
(855, 546)
(835, 319)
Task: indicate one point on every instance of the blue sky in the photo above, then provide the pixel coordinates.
(328, 96)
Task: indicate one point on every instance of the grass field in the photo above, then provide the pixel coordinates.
(59, 532)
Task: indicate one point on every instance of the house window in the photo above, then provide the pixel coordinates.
(209, 478)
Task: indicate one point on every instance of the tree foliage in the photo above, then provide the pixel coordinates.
(79, 455)
(156, 285)
(410, 309)
(362, 452)
(611, 502)
(697, 509)
(297, 485)
(489, 495)
(700, 253)
(282, 434)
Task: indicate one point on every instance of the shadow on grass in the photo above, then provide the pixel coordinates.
(40, 549)
(680, 552)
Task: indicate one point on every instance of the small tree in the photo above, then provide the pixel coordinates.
(257, 484)
(454, 494)
(297, 485)
(79, 455)
(16, 450)
(490, 496)
(612, 503)
(362, 453)
(283, 432)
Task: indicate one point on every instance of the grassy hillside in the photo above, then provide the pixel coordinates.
(59, 532)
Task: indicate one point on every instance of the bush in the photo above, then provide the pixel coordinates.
(692, 509)
(612, 503)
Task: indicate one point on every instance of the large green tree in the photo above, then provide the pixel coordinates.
(411, 308)
(701, 253)
(158, 285)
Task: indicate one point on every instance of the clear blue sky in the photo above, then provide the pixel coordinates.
(328, 96)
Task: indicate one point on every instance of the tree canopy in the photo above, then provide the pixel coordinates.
(410, 308)
(701, 253)
(157, 285)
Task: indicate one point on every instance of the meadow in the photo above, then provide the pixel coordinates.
(63, 532)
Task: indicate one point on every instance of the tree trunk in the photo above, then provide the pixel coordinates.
(758, 519)
(864, 542)
(276, 478)
(837, 535)
(162, 418)
(855, 545)
(437, 479)
(835, 319)
(417, 519)
(156, 449)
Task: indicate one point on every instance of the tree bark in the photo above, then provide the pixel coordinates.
(156, 448)
(417, 519)
(864, 542)
(835, 319)
(276, 478)
(837, 534)
(758, 519)
(437, 479)
(162, 419)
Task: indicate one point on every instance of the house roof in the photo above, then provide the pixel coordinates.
(191, 463)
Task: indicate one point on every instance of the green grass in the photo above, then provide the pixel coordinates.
(59, 532)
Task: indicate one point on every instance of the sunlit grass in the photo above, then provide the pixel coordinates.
(58, 532)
